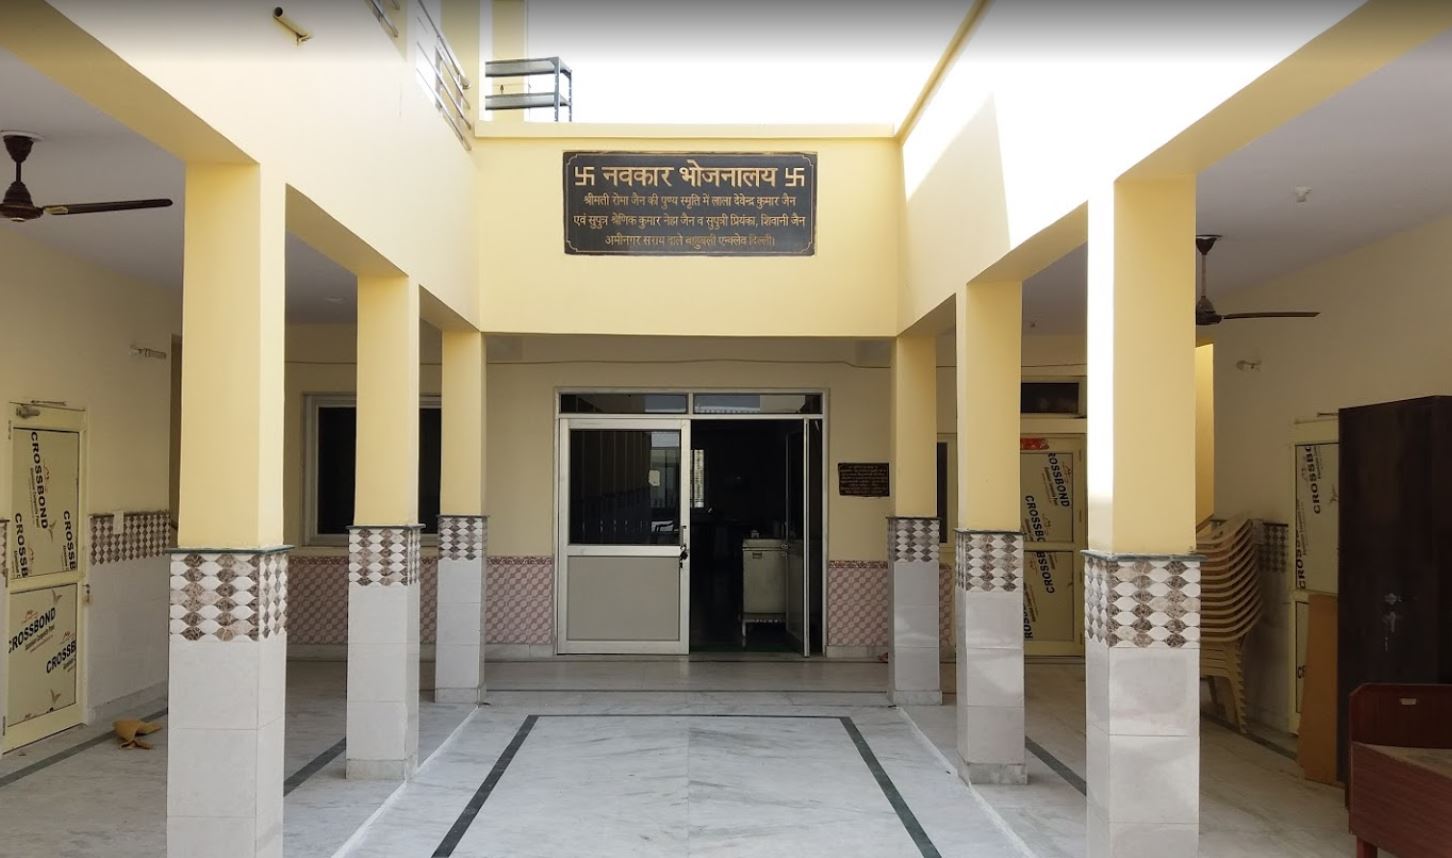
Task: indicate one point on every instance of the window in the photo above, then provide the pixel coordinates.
(758, 403)
(332, 457)
(1065, 398)
(625, 487)
(622, 403)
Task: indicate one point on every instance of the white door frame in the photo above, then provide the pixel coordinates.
(564, 550)
(53, 419)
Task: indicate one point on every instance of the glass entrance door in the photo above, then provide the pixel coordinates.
(624, 514)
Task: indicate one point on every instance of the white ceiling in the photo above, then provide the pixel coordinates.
(1376, 157)
(86, 156)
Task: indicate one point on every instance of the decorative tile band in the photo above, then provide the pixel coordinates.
(141, 535)
(463, 537)
(518, 596)
(229, 595)
(912, 539)
(384, 555)
(1142, 601)
(519, 600)
(989, 561)
(857, 602)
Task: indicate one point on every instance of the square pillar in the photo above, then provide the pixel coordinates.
(913, 657)
(463, 529)
(228, 615)
(383, 652)
(383, 544)
(912, 532)
(989, 546)
(1141, 595)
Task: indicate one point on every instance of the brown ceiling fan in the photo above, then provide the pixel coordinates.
(17, 205)
(1205, 311)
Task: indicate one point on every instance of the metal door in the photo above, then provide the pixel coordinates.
(624, 514)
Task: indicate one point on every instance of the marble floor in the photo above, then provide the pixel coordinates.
(1253, 800)
(77, 795)
(677, 773)
(666, 757)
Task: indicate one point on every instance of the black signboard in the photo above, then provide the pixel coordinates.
(690, 203)
(862, 479)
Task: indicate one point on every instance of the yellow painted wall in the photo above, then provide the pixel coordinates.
(520, 437)
(1024, 125)
(1381, 337)
(847, 289)
(68, 331)
(341, 118)
(1204, 432)
(320, 360)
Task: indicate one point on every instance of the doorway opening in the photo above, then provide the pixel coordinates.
(756, 535)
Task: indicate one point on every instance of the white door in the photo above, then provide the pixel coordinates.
(44, 592)
(624, 579)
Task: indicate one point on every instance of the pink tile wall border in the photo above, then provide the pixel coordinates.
(857, 604)
(519, 600)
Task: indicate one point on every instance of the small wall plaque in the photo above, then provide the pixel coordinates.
(863, 479)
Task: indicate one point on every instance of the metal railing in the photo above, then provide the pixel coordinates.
(382, 15)
(442, 76)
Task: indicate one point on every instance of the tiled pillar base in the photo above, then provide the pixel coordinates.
(988, 582)
(1142, 689)
(912, 664)
(226, 702)
(383, 651)
(459, 668)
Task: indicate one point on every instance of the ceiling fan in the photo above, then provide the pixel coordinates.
(1205, 311)
(18, 207)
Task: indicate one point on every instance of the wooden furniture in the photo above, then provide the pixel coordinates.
(1395, 568)
(1400, 789)
(1316, 745)
(1230, 605)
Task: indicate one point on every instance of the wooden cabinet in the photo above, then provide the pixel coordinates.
(1395, 567)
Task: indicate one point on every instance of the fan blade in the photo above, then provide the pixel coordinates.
(95, 208)
(1290, 314)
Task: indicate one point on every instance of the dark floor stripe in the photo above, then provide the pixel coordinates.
(62, 756)
(300, 776)
(889, 789)
(1057, 765)
(471, 810)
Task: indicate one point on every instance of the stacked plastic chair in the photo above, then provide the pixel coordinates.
(1230, 605)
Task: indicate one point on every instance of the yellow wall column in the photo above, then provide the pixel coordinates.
(988, 550)
(383, 544)
(914, 426)
(509, 28)
(1142, 587)
(1204, 432)
(230, 520)
(912, 532)
(463, 528)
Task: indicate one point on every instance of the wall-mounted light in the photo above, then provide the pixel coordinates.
(144, 352)
(292, 26)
